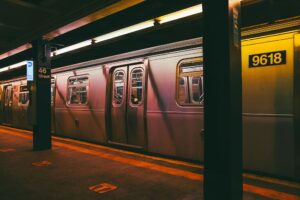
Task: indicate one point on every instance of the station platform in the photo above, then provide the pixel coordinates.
(80, 170)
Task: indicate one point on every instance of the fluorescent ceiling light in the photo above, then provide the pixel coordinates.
(124, 31)
(72, 47)
(180, 14)
(20, 64)
(17, 65)
(137, 27)
(4, 69)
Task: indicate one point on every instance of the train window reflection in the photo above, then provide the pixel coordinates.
(136, 92)
(78, 90)
(118, 87)
(8, 96)
(52, 91)
(23, 95)
(190, 90)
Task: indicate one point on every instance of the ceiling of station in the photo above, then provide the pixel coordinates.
(24, 20)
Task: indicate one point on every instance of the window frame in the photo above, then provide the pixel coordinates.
(115, 70)
(179, 74)
(53, 82)
(68, 101)
(23, 92)
(130, 86)
(5, 96)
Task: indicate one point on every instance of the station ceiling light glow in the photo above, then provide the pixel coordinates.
(134, 28)
(124, 31)
(71, 48)
(180, 14)
(17, 65)
(197, 9)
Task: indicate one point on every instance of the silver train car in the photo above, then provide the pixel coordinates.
(152, 100)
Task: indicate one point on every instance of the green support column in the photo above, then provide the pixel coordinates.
(41, 96)
(223, 109)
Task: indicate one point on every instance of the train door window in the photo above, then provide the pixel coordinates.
(190, 89)
(136, 91)
(52, 91)
(8, 96)
(23, 95)
(78, 90)
(118, 87)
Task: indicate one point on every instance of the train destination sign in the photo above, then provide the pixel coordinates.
(267, 59)
(29, 70)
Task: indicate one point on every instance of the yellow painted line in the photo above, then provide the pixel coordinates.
(177, 162)
(273, 180)
(269, 193)
(265, 192)
(129, 161)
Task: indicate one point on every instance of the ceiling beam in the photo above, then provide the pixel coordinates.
(112, 9)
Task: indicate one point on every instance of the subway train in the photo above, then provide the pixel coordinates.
(152, 100)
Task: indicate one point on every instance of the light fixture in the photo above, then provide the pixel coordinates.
(17, 65)
(4, 69)
(124, 31)
(14, 66)
(180, 14)
(71, 48)
(137, 27)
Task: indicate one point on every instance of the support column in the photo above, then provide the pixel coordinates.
(41, 96)
(223, 110)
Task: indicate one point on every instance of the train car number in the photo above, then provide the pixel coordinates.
(267, 59)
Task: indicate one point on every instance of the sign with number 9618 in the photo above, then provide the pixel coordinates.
(267, 59)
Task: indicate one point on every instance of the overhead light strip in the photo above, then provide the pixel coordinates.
(180, 14)
(124, 31)
(72, 47)
(134, 28)
(14, 66)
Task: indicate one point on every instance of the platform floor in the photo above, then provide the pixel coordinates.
(78, 170)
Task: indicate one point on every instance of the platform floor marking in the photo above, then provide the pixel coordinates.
(103, 188)
(41, 163)
(7, 150)
(265, 192)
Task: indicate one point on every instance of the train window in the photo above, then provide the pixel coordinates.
(23, 95)
(52, 91)
(118, 89)
(190, 90)
(136, 92)
(78, 90)
(8, 96)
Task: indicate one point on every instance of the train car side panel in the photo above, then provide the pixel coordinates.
(268, 104)
(172, 129)
(80, 104)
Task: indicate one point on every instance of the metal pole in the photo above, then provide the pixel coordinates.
(222, 112)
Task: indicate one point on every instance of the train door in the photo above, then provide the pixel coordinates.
(127, 107)
(7, 107)
(53, 105)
